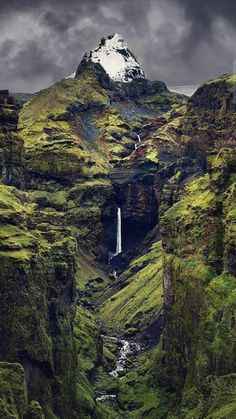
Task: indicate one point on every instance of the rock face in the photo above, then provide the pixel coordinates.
(13, 398)
(210, 117)
(11, 147)
(37, 282)
(199, 271)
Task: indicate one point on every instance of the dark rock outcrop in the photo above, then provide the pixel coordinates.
(11, 146)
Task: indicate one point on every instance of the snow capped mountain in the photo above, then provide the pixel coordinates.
(117, 60)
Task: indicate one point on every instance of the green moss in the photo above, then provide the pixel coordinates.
(35, 411)
(138, 394)
(198, 195)
(12, 238)
(229, 78)
(32, 263)
(89, 349)
(56, 99)
(198, 235)
(141, 297)
(111, 122)
(195, 214)
(12, 391)
(104, 382)
(218, 401)
(87, 336)
(169, 132)
(222, 286)
(57, 200)
(152, 156)
(89, 276)
(53, 134)
(162, 102)
(85, 397)
(13, 204)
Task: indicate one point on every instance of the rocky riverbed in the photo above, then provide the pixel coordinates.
(127, 351)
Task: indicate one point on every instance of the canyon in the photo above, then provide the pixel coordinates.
(117, 248)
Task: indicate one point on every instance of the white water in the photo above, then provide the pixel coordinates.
(118, 234)
(106, 397)
(118, 240)
(136, 145)
(127, 349)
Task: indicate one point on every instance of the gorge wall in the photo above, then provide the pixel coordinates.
(38, 294)
(199, 274)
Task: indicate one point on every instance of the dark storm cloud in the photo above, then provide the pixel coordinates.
(203, 13)
(179, 41)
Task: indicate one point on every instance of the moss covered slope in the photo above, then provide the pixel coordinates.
(198, 235)
(138, 302)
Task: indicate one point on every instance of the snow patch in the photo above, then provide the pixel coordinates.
(71, 76)
(117, 60)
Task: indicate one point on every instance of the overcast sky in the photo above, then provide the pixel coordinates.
(178, 41)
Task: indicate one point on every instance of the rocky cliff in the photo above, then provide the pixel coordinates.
(38, 294)
(199, 272)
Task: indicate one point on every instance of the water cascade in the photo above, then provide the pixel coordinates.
(136, 145)
(127, 350)
(118, 234)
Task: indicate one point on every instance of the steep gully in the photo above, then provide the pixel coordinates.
(127, 348)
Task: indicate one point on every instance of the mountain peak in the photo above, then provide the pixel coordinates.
(114, 56)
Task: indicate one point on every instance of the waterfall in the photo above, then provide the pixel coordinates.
(111, 255)
(139, 141)
(118, 234)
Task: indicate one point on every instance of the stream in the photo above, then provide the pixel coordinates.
(126, 349)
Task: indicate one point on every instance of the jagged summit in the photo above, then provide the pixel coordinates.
(114, 56)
